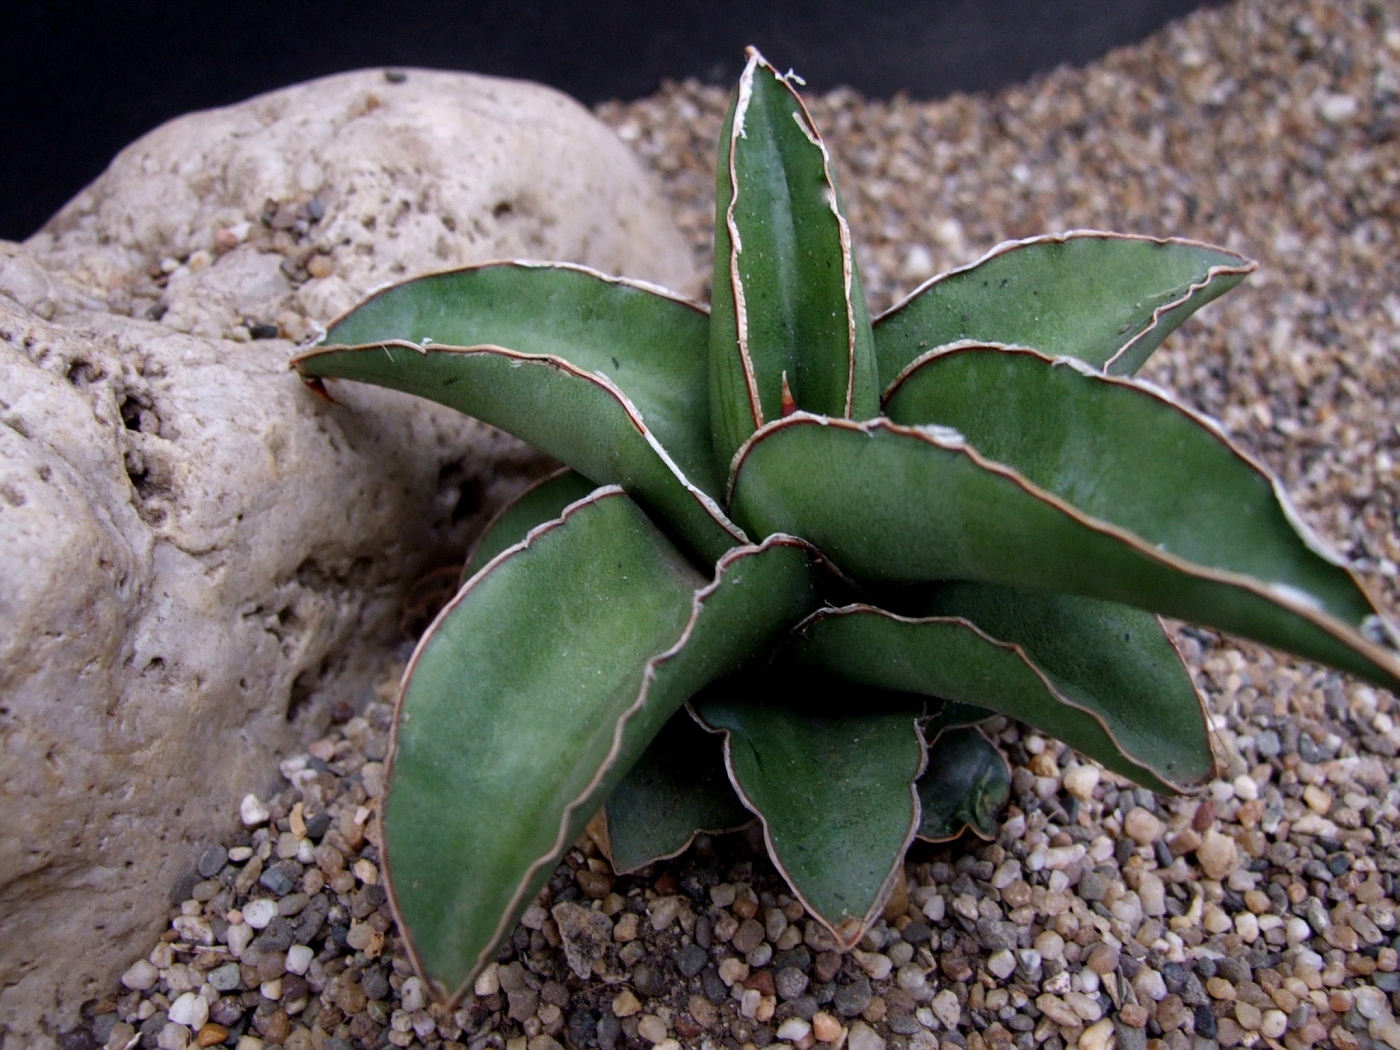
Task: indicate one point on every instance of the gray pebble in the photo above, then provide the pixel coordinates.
(994, 935)
(824, 993)
(226, 978)
(150, 1029)
(1092, 886)
(749, 936)
(1205, 1022)
(1205, 967)
(798, 957)
(1386, 982)
(292, 904)
(279, 880)
(583, 1028)
(226, 1010)
(916, 933)
(277, 937)
(852, 999)
(609, 1028)
(523, 1003)
(704, 932)
(804, 1006)
(1309, 750)
(760, 956)
(713, 987)
(212, 861)
(1192, 992)
(1315, 869)
(790, 982)
(1130, 1038)
(317, 825)
(374, 983)
(648, 981)
(903, 1024)
(691, 959)
(1268, 744)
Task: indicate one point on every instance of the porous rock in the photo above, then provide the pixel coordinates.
(199, 553)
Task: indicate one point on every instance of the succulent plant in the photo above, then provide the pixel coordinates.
(796, 557)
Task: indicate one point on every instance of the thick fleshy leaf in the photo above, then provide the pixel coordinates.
(966, 784)
(892, 504)
(1114, 661)
(831, 773)
(1106, 298)
(1152, 732)
(574, 415)
(789, 315)
(543, 501)
(534, 692)
(647, 342)
(677, 789)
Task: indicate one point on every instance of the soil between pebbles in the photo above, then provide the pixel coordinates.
(1262, 912)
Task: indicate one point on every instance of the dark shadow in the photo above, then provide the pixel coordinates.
(79, 80)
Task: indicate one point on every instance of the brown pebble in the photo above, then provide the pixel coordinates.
(211, 1035)
(1204, 816)
(1103, 959)
(594, 884)
(762, 982)
(745, 908)
(826, 1028)
(320, 265)
(1133, 1015)
(1184, 842)
(898, 903)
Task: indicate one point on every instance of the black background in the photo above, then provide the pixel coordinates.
(79, 80)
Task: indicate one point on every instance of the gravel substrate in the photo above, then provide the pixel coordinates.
(1260, 913)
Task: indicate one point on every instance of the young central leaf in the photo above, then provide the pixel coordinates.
(790, 324)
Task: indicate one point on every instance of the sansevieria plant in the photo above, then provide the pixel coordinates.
(795, 556)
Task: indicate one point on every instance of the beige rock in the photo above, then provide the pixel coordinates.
(438, 171)
(1218, 855)
(198, 551)
(1142, 827)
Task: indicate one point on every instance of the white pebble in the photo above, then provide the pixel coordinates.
(260, 912)
(1002, 963)
(1274, 1024)
(1097, 1036)
(412, 994)
(190, 1010)
(1247, 926)
(794, 1030)
(1152, 893)
(1081, 781)
(1246, 790)
(299, 958)
(946, 1008)
(252, 812)
(935, 908)
(489, 981)
(173, 1037)
(863, 1037)
(1005, 875)
(1371, 1002)
(1297, 931)
(140, 976)
(239, 936)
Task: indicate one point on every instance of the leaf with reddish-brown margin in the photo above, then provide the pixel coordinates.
(966, 784)
(1106, 298)
(891, 504)
(649, 343)
(577, 416)
(1139, 717)
(543, 501)
(789, 324)
(677, 789)
(830, 770)
(532, 694)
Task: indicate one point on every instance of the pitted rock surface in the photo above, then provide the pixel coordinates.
(200, 556)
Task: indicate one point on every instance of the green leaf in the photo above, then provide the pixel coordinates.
(1139, 717)
(788, 305)
(831, 773)
(533, 694)
(1105, 298)
(573, 415)
(649, 343)
(894, 505)
(541, 502)
(677, 789)
(966, 784)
